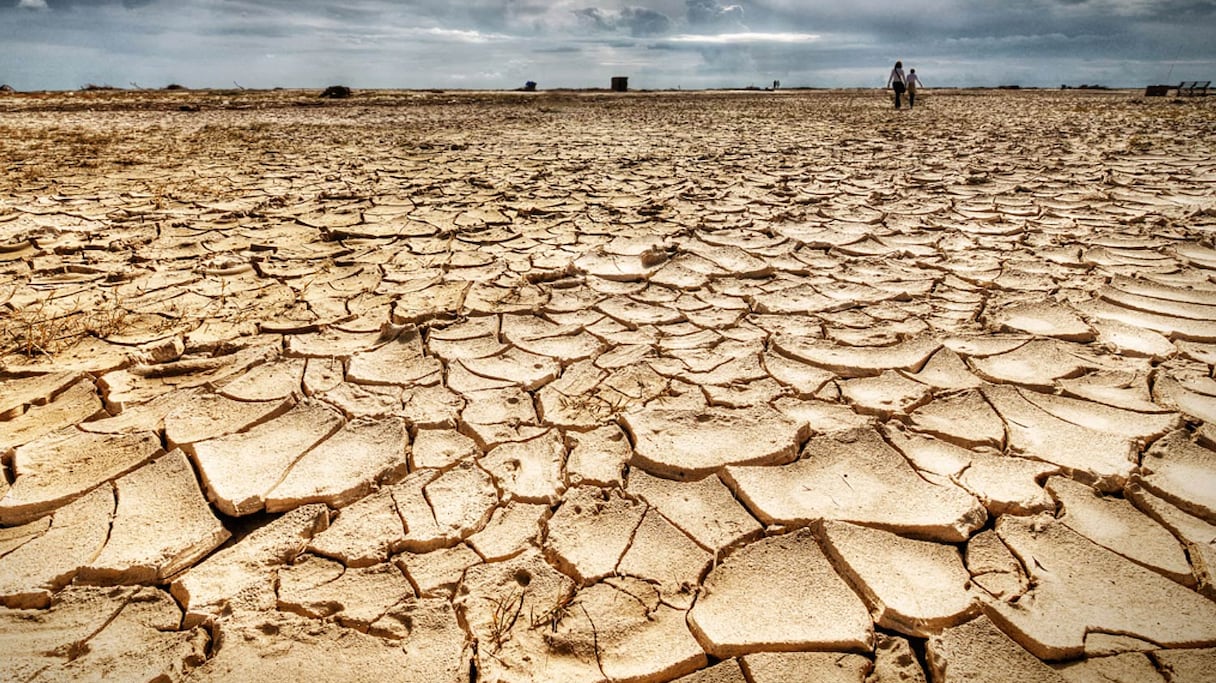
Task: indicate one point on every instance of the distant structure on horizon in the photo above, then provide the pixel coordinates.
(620, 83)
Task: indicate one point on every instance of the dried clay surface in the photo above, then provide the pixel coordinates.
(749, 387)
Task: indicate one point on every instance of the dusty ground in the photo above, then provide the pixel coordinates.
(573, 387)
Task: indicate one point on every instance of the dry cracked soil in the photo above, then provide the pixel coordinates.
(707, 387)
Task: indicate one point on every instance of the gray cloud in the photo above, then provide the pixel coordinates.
(710, 13)
(637, 21)
(662, 43)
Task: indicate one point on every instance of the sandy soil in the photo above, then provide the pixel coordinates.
(576, 387)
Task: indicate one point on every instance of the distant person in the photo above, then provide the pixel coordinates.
(897, 82)
(913, 82)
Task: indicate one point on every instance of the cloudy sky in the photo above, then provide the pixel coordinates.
(64, 44)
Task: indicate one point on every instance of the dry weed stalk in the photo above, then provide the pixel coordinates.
(507, 609)
(555, 614)
(35, 331)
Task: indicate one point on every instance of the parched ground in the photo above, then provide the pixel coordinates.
(710, 387)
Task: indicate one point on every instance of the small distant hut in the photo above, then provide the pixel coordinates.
(620, 84)
(337, 92)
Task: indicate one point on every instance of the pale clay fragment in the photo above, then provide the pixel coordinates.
(686, 444)
(73, 406)
(240, 470)
(1054, 617)
(779, 593)
(30, 573)
(1131, 667)
(440, 448)
(894, 662)
(590, 512)
(531, 471)
(827, 484)
(436, 574)
(1182, 472)
(1100, 458)
(347, 466)
(51, 472)
(993, 567)
(1196, 535)
(914, 587)
(978, 652)
(1115, 524)
(965, 419)
(129, 634)
(822, 667)
(203, 416)
(512, 528)
(663, 555)
(238, 576)
(705, 509)
(598, 457)
(162, 525)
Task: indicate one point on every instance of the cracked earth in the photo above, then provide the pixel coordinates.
(717, 388)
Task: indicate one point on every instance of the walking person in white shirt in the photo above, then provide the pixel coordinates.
(897, 82)
(913, 82)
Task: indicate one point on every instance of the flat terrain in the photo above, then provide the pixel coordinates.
(712, 387)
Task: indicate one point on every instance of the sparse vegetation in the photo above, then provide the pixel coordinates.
(41, 331)
(505, 615)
